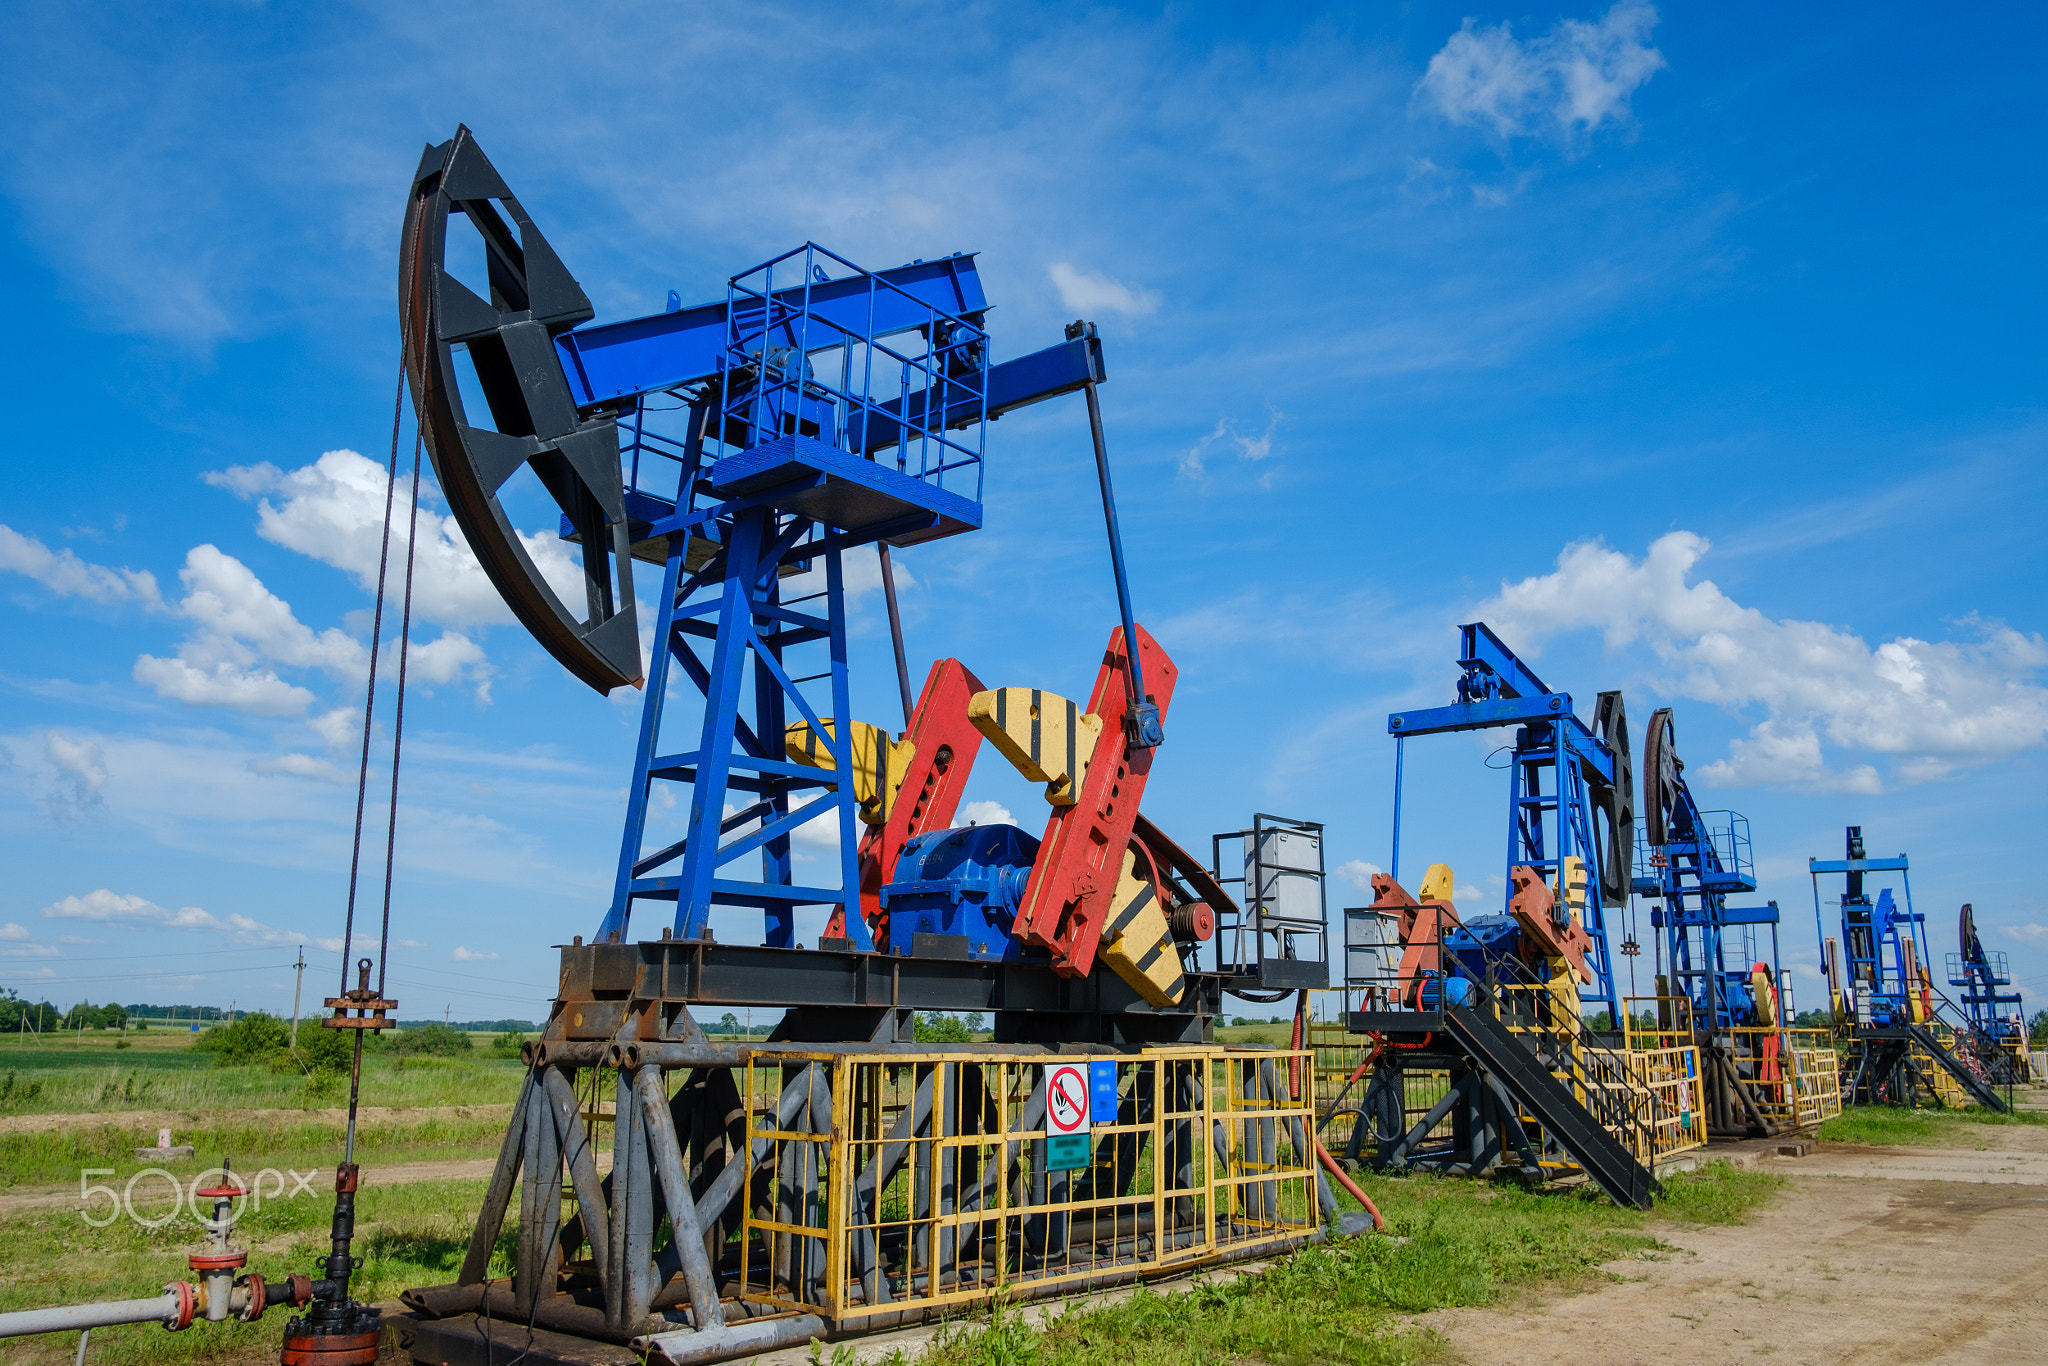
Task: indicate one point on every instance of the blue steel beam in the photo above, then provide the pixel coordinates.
(645, 355)
(1544, 709)
(1861, 865)
(1483, 653)
(1060, 369)
(1548, 706)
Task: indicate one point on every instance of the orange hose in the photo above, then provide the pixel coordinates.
(1294, 1045)
(1344, 1179)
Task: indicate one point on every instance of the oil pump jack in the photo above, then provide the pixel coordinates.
(1494, 1002)
(839, 1175)
(1882, 990)
(1692, 863)
(743, 448)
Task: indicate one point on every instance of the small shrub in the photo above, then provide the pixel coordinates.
(124, 1043)
(507, 1045)
(438, 1040)
(333, 1049)
(321, 1081)
(11, 1094)
(256, 1037)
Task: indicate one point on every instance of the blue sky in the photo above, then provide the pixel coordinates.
(1696, 349)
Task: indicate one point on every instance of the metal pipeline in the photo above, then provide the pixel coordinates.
(182, 1304)
(165, 1309)
(688, 1348)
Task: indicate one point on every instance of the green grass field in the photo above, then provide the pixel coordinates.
(1893, 1126)
(160, 1070)
(1454, 1242)
(408, 1235)
(113, 1100)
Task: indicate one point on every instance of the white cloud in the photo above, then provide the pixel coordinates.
(244, 633)
(243, 628)
(1570, 81)
(256, 693)
(1194, 460)
(245, 481)
(1086, 292)
(301, 766)
(106, 907)
(1359, 874)
(28, 950)
(12, 931)
(65, 574)
(467, 955)
(447, 659)
(1467, 893)
(983, 813)
(339, 727)
(2032, 932)
(412, 943)
(333, 511)
(80, 771)
(1928, 706)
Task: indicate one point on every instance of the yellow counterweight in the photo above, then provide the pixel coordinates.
(879, 762)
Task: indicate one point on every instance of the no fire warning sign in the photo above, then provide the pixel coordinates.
(1066, 1099)
(1066, 1117)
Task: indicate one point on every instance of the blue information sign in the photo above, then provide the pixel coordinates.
(1102, 1092)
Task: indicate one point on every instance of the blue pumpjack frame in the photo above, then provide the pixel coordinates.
(1693, 874)
(1546, 825)
(1882, 962)
(818, 460)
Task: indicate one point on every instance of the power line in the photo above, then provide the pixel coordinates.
(40, 982)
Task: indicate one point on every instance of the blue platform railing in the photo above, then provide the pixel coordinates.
(1727, 834)
(857, 362)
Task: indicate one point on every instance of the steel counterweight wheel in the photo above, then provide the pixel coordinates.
(1617, 869)
(1660, 777)
(533, 420)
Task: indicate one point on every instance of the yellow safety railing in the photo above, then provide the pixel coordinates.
(1670, 1077)
(1793, 1076)
(1656, 1087)
(1947, 1089)
(920, 1182)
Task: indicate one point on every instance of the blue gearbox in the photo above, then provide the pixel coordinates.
(964, 883)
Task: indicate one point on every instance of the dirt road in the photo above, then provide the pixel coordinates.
(1880, 1256)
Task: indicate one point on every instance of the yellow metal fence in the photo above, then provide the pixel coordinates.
(1793, 1076)
(918, 1182)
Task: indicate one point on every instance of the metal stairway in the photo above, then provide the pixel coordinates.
(1978, 1089)
(1528, 1078)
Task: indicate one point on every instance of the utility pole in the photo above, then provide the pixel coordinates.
(300, 982)
(445, 1012)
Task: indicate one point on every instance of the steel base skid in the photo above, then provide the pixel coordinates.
(762, 1193)
(648, 992)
